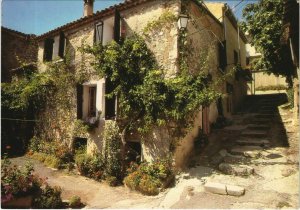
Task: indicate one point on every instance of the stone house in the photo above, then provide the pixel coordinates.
(205, 33)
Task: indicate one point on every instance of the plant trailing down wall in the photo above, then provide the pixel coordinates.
(49, 98)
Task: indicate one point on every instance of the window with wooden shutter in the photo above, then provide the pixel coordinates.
(98, 35)
(48, 49)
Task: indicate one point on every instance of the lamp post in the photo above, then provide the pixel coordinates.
(182, 21)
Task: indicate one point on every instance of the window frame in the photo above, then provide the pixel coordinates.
(96, 32)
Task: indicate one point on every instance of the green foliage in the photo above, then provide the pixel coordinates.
(167, 18)
(75, 201)
(50, 198)
(90, 166)
(112, 141)
(48, 160)
(145, 97)
(263, 22)
(149, 178)
(112, 181)
(54, 154)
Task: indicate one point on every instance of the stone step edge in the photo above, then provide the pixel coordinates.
(224, 189)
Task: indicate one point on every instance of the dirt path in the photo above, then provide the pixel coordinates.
(94, 194)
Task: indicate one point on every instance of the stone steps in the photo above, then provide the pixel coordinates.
(258, 127)
(237, 170)
(260, 116)
(254, 134)
(234, 159)
(253, 142)
(247, 151)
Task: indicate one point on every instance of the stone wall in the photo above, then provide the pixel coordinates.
(15, 44)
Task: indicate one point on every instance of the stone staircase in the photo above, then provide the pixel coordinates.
(259, 114)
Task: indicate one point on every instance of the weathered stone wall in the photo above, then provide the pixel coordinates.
(13, 45)
(202, 45)
(161, 41)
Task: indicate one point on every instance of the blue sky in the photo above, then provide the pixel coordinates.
(40, 16)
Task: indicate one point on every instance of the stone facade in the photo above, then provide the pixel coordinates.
(15, 44)
(164, 43)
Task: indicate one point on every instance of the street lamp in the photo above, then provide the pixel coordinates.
(182, 21)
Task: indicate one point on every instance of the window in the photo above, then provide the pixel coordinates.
(92, 102)
(235, 57)
(98, 38)
(48, 49)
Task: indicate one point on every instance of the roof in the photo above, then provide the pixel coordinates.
(89, 19)
(17, 33)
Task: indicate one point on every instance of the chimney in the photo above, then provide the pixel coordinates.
(88, 7)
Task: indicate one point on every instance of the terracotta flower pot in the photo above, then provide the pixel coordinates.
(21, 202)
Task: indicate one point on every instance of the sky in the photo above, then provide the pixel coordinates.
(39, 16)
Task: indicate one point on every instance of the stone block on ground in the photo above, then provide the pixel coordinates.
(238, 170)
(216, 188)
(223, 152)
(235, 190)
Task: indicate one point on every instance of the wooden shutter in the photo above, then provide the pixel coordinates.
(62, 41)
(222, 56)
(117, 26)
(110, 103)
(79, 90)
(48, 49)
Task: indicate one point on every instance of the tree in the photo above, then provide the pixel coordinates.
(264, 21)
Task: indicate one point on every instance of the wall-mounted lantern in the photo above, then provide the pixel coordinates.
(182, 21)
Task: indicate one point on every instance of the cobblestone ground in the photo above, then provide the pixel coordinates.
(258, 152)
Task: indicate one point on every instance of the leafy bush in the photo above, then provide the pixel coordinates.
(16, 182)
(112, 158)
(149, 178)
(75, 202)
(48, 160)
(90, 166)
(112, 181)
(50, 198)
(53, 154)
